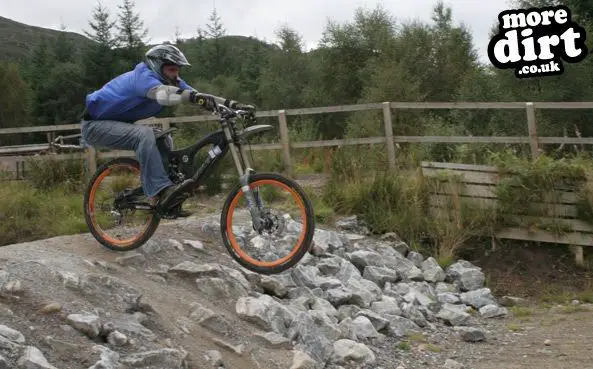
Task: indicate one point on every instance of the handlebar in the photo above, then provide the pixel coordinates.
(227, 112)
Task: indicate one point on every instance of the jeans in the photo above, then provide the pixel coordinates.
(128, 136)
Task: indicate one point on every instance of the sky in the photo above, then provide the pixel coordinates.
(258, 18)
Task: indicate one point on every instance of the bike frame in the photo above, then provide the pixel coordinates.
(226, 139)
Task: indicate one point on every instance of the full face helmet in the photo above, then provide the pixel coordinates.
(164, 54)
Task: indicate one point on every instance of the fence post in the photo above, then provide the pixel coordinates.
(389, 134)
(91, 159)
(285, 142)
(533, 142)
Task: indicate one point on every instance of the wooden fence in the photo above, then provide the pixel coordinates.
(12, 158)
(553, 220)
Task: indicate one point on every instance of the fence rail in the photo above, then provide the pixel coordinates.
(11, 156)
(480, 178)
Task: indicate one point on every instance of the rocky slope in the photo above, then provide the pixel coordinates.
(181, 302)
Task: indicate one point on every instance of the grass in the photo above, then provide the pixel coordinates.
(521, 311)
(404, 346)
(29, 213)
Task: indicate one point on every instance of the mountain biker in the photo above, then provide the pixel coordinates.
(139, 94)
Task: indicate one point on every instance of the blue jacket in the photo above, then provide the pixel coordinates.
(124, 97)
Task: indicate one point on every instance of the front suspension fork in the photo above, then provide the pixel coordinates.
(255, 205)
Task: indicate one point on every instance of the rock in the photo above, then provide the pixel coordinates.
(300, 360)
(452, 364)
(380, 275)
(278, 285)
(442, 287)
(492, 311)
(363, 328)
(209, 319)
(478, 298)
(237, 349)
(196, 245)
(400, 326)
(129, 327)
(131, 259)
(68, 279)
(329, 266)
(363, 258)
(309, 331)
(471, 334)
(3, 363)
(220, 287)
(191, 269)
(338, 296)
(5, 312)
(310, 276)
(416, 258)
(346, 351)
(61, 346)
(13, 286)
(509, 301)
(272, 340)
(432, 271)
(454, 315)
(32, 358)
(325, 242)
(155, 359)
(465, 275)
(86, 323)
(109, 359)
(448, 297)
(378, 322)
(151, 247)
(386, 306)
(401, 247)
(12, 334)
(117, 338)
(176, 244)
(547, 342)
(215, 358)
(348, 223)
(51, 308)
(264, 312)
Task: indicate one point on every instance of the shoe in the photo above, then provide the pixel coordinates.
(167, 196)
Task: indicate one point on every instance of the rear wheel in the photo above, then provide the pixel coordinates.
(115, 195)
(287, 232)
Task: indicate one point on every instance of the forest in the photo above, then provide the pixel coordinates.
(372, 58)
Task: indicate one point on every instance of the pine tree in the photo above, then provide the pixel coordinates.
(102, 27)
(63, 48)
(99, 57)
(214, 50)
(132, 33)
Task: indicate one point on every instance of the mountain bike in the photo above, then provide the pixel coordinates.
(261, 221)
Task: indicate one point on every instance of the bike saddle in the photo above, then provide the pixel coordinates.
(158, 133)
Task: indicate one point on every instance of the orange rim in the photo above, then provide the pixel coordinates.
(114, 241)
(237, 247)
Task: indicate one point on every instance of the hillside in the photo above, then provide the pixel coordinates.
(17, 39)
(180, 303)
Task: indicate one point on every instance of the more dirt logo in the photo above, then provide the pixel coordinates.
(536, 40)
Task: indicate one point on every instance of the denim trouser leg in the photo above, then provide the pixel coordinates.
(127, 136)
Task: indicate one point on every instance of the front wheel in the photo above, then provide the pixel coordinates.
(287, 231)
(114, 196)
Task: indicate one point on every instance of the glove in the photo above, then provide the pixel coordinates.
(204, 100)
(238, 106)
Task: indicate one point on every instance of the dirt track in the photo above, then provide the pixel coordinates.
(513, 342)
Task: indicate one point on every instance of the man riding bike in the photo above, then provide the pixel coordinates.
(139, 94)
